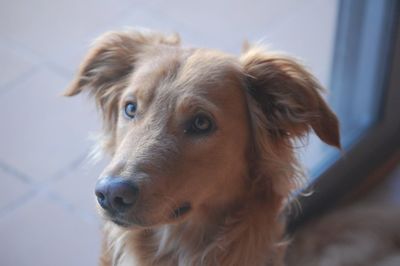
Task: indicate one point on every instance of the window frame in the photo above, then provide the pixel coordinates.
(382, 138)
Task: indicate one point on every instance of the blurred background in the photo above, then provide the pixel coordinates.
(47, 206)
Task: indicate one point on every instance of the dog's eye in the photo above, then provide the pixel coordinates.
(200, 124)
(130, 110)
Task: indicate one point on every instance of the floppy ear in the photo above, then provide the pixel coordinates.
(289, 97)
(112, 57)
(106, 68)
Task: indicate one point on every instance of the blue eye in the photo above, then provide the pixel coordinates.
(200, 124)
(130, 110)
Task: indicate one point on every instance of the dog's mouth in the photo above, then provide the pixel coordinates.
(176, 214)
(181, 211)
(121, 223)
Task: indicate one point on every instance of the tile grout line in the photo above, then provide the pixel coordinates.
(14, 205)
(60, 200)
(71, 166)
(37, 187)
(69, 207)
(37, 59)
(20, 79)
(16, 173)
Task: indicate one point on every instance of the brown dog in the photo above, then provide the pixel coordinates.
(202, 148)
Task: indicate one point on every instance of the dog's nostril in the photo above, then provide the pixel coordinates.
(100, 196)
(123, 202)
(123, 196)
(101, 193)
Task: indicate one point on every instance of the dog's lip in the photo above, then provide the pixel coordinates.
(118, 220)
(178, 213)
(123, 222)
(182, 210)
(120, 223)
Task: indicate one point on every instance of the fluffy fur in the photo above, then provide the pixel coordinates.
(237, 179)
(356, 235)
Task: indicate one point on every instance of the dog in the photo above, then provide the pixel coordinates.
(202, 146)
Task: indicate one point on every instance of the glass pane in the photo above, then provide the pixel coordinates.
(356, 83)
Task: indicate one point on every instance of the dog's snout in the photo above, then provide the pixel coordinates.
(116, 194)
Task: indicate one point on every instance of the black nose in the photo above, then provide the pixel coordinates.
(116, 194)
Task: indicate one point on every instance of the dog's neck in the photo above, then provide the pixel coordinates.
(237, 237)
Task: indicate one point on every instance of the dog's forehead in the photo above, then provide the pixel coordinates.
(180, 72)
(207, 68)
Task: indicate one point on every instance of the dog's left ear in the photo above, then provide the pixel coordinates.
(112, 57)
(289, 96)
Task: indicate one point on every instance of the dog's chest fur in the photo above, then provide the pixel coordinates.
(236, 243)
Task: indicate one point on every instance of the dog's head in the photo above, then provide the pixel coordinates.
(195, 131)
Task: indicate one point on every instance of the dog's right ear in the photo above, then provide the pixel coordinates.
(105, 71)
(112, 58)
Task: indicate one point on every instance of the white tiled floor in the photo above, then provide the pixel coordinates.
(16, 189)
(42, 233)
(47, 214)
(17, 66)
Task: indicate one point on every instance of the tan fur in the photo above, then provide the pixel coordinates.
(237, 179)
(357, 235)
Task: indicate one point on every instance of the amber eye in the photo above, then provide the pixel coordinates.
(200, 124)
(130, 110)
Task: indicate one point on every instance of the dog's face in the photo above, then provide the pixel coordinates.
(180, 137)
(183, 126)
